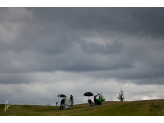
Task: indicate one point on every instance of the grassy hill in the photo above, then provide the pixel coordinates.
(108, 108)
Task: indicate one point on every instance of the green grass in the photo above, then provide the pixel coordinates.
(108, 108)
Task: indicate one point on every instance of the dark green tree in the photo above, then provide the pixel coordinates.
(121, 96)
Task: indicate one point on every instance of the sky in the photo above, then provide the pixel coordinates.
(49, 51)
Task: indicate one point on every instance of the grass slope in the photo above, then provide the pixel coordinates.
(108, 108)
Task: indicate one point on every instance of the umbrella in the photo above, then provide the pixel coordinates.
(96, 94)
(62, 96)
(88, 94)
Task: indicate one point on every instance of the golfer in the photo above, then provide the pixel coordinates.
(99, 100)
(71, 98)
(95, 100)
(62, 103)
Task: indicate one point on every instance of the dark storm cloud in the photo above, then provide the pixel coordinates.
(53, 30)
(48, 51)
(128, 20)
(46, 44)
(54, 39)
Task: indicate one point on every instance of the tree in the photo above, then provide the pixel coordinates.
(102, 97)
(121, 96)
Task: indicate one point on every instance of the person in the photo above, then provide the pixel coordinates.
(71, 98)
(95, 100)
(90, 102)
(99, 100)
(62, 103)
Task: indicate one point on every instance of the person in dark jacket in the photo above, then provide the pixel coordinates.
(95, 100)
(71, 98)
(62, 103)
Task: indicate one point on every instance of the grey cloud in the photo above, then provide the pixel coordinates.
(150, 81)
(137, 76)
(128, 20)
(43, 42)
(110, 90)
(151, 19)
(51, 40)
(18, 78)
(96, 44)
(94, 48)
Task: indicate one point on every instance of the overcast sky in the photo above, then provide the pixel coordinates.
(48, 51)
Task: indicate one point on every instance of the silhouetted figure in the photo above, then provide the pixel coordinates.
(71, 98)
(62, 103)
(95, 100)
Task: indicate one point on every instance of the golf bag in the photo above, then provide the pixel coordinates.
(90, 102)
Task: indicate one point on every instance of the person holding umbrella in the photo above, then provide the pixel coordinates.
(62, 101)
(95, 100)
(89, 100)
(92, 94)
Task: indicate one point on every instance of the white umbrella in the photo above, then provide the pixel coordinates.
(96, 94)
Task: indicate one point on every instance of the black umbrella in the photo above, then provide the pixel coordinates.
(62, 96)
(88, 94)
